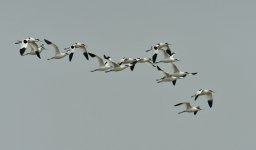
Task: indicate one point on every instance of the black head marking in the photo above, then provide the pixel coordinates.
(25, 41)
(72, 47)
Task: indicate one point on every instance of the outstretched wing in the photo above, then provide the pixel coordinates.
(24, 45)
(110, 61)
(163, 72)
(210, 99)
(100, 60)
(166, 55)
(188, 105)
(57, 51)
(175, 68)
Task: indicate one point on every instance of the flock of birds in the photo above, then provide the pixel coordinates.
(107, 65)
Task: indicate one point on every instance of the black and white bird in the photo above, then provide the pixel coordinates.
(206, 92)
(145, 60)
(167, 77)
(167, 58)
(180, 74)
(58, 54)
(127, 60)
(189, 108)
(103, 66)
(75, 46)
(164, 47)
(34, 52)
(29, 41)
(118, 67)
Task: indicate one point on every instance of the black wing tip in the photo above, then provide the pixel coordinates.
(210, 103)
(22, 51)
(47, 42)
(70, 56)
(154, 58)
(133, 66)
(105, 56)
(38, 54)
(195, 112)
(169, 52)
(86, 55)
(174, 82)
(196, 97)
(92, 55)
(158, 68)
(178, 104)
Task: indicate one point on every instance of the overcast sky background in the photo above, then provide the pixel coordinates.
(61, 105)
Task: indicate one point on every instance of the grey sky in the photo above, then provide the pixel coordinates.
(58, 105)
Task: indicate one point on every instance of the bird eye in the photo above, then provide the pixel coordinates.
(72, 46)
(155, 47)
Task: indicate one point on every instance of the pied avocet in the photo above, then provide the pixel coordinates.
(178, 73)
(81, 46)
(206, 92)
(162, 47)
(118, 67)
(103, 66)
(167, 77)
(24, 44)
(58, 54)
(34, 52)
(189, 108)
